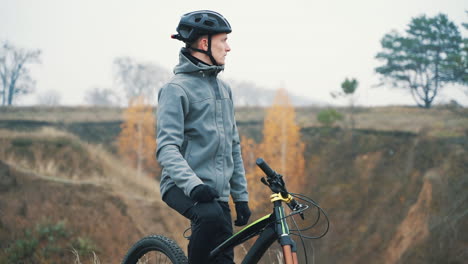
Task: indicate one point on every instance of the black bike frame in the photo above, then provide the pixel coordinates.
(270, 227)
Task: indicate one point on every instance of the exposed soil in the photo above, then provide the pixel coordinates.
(112, 221)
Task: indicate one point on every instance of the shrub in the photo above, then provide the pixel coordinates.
(328, 117)
(22, 249)
(83, 245)
(48, 241)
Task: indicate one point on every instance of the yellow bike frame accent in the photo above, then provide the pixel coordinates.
(278, 197)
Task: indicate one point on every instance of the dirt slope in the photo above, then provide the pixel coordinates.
(391, 197)
(48, 178)
(110, 220)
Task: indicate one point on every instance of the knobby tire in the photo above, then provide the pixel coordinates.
(167, 250)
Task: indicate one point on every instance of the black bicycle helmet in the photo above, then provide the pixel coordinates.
(198, 23)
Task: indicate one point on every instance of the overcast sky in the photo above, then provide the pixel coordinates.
(307, 46)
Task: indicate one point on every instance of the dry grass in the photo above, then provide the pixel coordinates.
(112, 172)
(95, 259)
(413, 119)
(438, 122)
(46, 132)
(61, 114)
(441, 121)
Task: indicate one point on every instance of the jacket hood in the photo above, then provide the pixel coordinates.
(187, 66)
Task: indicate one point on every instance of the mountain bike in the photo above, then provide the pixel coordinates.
(270, 228)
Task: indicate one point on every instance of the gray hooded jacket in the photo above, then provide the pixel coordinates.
(197, 136)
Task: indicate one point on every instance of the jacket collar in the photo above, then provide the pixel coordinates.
(193, 65)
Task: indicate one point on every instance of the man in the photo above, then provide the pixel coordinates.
(198, 142)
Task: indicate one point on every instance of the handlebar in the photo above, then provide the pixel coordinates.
(275, 182)
(265, 168)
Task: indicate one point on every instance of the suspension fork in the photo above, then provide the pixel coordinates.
(282, 229)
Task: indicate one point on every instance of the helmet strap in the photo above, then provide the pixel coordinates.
(207, 52)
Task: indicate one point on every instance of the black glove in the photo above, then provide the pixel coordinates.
(243, 213)
(203, 193)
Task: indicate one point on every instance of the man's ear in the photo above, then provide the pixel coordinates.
(203, 43)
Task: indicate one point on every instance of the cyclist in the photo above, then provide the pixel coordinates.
(197, 137)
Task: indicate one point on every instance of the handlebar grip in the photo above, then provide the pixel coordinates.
(265, 168)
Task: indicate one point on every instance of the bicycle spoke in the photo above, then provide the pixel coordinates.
(154, 257)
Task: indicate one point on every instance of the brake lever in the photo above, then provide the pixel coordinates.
(295, 206)
(264, 181)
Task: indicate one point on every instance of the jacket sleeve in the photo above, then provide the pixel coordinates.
(238, 181)
(172, 107)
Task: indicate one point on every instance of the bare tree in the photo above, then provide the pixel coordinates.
(14, 73)
(102, 97)
(246, 93)
(49, 98)
(249, 94)
(139, 78)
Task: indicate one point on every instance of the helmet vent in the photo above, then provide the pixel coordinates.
(197, 19)
(208, 23)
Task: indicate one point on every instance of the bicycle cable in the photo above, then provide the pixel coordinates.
(302, 241)
(317, 219)
(311, 226)
(309, 200)
(186, 230)
(304, 208)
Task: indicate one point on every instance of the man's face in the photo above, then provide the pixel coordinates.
(220, 47)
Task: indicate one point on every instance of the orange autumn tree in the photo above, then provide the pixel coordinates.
(137, 141)
(258, 193)
(281, 148)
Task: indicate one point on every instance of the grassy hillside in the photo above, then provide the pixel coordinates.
(392, 187)
(64, 197)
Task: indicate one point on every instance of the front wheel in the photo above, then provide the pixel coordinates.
(155, 249)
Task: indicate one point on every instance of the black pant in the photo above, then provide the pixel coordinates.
(211, 225)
